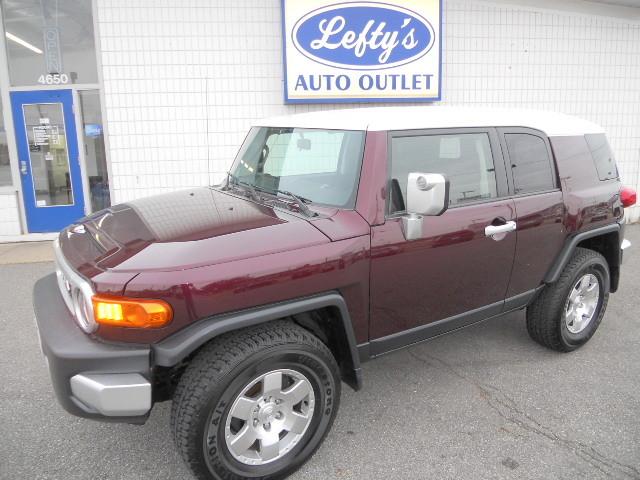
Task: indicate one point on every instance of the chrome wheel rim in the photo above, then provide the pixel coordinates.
(269, 417)
(582, 303)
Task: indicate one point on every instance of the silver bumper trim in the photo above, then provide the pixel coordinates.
(625, 244)
(113, 394)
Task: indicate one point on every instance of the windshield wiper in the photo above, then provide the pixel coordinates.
(254, 189)
(233, 180)
(301, 201)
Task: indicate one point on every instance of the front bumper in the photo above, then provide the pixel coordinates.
(91, 379)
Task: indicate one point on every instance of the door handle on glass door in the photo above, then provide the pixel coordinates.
(491, 230)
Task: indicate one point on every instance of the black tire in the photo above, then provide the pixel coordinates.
(545, 316)
(217, 375)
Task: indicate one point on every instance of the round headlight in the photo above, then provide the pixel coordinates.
(82, 310)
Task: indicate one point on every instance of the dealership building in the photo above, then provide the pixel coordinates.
(106, 101)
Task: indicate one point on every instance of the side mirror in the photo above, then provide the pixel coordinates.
(427, 194)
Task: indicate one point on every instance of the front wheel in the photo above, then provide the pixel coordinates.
(256, 403)
(568, 312)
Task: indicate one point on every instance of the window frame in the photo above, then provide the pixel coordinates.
(502, 131)
(502, 188)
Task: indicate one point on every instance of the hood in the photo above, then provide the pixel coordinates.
(181, 230)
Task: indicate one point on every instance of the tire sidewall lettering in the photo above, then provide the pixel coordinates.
(325, 380)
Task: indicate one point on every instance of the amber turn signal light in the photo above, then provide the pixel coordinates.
(131, 312)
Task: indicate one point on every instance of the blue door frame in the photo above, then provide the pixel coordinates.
(51, 189)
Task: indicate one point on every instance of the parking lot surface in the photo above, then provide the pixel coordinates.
(485, 402)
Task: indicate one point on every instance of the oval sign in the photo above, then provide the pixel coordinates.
(363, 35)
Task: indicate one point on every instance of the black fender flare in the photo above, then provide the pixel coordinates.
(170, 351)
(570, 245)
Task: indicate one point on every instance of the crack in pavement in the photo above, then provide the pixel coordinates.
(508, 409)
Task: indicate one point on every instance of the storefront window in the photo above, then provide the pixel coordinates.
(5, 167)
(50, 42)
(95, 158)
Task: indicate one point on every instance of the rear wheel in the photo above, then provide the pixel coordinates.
(567, 313)
(256, 403)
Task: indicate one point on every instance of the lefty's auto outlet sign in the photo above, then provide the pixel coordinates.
(361, 51)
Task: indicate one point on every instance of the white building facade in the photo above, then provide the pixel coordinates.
(159, 94)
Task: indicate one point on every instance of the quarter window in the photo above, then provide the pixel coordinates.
(465, 159)
(602, 156)
(530, 163)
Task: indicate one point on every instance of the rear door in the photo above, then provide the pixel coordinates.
(540, 211)
(456, 273)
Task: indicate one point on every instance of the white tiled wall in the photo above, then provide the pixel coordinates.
(183, 79)
(9, 215)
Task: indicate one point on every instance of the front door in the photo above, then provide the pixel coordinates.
(458, 272)
(48, 158)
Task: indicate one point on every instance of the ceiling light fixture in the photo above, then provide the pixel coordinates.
(24, 43)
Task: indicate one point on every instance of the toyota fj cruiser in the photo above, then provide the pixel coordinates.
(336, 237)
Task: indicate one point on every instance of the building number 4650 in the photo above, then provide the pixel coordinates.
(53, 79)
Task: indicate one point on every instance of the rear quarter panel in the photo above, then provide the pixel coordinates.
(589, 201)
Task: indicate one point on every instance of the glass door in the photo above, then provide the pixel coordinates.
(48, 156)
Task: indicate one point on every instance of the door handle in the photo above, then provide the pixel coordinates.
(23, 167)
(491, 230)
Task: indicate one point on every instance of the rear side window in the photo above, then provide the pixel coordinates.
(465, 159)
(602, 156)
(530, 163)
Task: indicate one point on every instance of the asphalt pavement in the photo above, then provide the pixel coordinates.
(485, 402)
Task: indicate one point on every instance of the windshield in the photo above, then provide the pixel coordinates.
(320, 165)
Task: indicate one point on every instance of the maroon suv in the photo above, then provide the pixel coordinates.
(336, 237)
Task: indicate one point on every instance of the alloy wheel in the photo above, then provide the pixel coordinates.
(582, 303)
(269, 417)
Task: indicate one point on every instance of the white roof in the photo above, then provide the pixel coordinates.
(408, 118)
